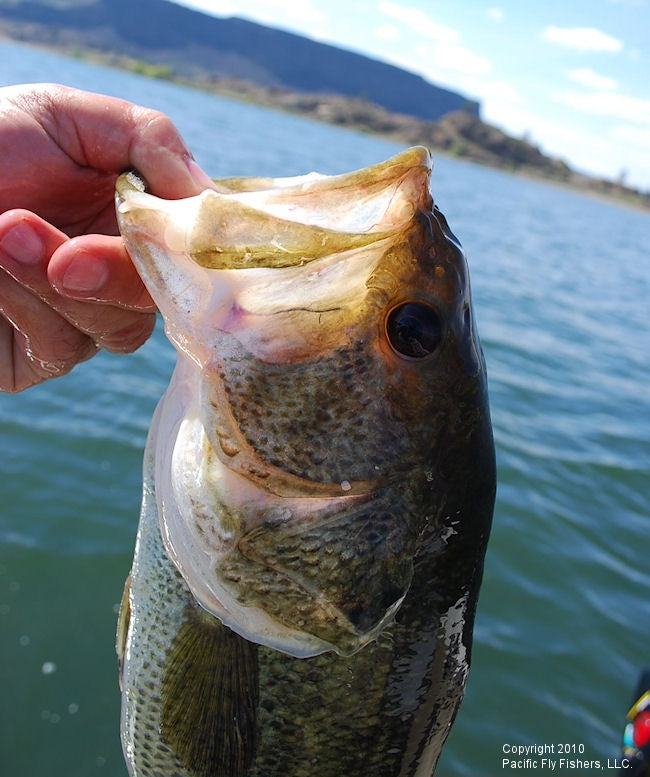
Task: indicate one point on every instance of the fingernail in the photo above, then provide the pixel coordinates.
(199, 177)
(85, 274)
(23, 245)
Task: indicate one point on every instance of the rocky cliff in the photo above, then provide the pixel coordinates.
(195, 45)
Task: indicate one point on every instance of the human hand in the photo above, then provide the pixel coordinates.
(67, 285)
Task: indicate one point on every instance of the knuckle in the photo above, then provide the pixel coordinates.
(129, 338)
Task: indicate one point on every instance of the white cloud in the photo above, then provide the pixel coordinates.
(388, 32)
(496, 14)
(499, 92)
(453, 57)
(276, 13)
(449, 66)
(610, 105)
(418, 22)
(630, 152)
(588, 149)
(618, 139)
(214, 7)
(582, 39)
(516, 118)
(585, 76)
(448, 62)
(637, 136)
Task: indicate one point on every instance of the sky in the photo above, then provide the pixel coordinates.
(572, 76)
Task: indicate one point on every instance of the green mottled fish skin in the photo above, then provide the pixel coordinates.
(200, 700)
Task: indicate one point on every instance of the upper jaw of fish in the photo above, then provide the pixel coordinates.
(244, 270)
(251, 261)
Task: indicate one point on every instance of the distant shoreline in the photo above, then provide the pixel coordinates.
(459, 135)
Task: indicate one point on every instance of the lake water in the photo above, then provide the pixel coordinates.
(561, 287)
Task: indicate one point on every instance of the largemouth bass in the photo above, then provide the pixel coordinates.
(318, 480)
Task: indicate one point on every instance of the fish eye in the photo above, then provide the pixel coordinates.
(414, 329)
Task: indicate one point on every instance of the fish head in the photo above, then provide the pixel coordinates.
(329, 381)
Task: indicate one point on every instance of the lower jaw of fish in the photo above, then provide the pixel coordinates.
(240, 568)
(271, 607)
(306, 622)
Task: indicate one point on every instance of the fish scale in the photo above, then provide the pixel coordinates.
(292, 415)
(323, 716)
(310, 711)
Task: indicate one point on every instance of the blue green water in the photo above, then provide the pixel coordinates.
(561, 288)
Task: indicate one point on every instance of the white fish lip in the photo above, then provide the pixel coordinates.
(206, 304)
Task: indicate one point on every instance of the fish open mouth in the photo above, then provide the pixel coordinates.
(273, 273)
(253, 254)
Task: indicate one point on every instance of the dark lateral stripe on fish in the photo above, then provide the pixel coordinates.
(211, 686)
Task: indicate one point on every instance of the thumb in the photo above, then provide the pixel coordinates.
(159, 154)
(112, 135)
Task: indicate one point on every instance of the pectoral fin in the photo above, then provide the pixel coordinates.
(123, 621)
(210, 693)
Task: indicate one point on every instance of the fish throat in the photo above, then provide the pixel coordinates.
(281, 491)
(324, 420)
